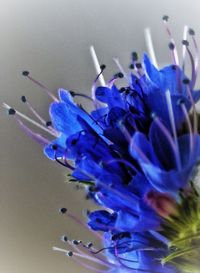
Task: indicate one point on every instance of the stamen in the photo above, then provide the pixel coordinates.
(75, 254)
(195, 119)
(35, 136)
(97, 66)
(116, 60)
(150, 47)
(27, 74)
(172, 44)
(81, 223)
(193, 73)
(80, 253)
(192, 34)
(6, 106)
(24, 100)
(185, 112)
(173, 126)
(185, 32)
(35, 113)
(97, 103)
(168, 137)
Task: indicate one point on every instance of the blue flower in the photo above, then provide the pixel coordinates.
(136, 152)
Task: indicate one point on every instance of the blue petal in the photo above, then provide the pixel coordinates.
(63, 119)
(151, 70)
(65, 96)
(60, 143)
(101, 220)
(110, 96)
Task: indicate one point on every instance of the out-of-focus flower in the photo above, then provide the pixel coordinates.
(136, 152)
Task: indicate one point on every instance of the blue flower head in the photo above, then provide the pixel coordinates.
(137, 153)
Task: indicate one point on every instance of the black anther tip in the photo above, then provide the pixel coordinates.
(180, 101)
(134, 56)
(64, 238)
(63, 210)
(131, 66)
(138, 65)
(186, 81)
(103, 66)
(69, 253)
(120, 75)
(25, 73)
(90, 244)
(122, 89)
(185, 42)
(23, 99)
(171, 46)
(165, 18)
(191, 32)
(75, 242)
(72, 93)
(48, 123)
(11, 111)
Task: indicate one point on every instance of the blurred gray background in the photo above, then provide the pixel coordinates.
(52, 39)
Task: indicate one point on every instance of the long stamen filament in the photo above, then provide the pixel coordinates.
(150, 47)
(6, 106)
(97, 66)
(173, 126)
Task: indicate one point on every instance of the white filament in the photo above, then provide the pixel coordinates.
(185, 32)
(172, 122)
(97, 65)
(150, 47)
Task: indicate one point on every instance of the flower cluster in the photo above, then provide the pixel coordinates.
(136, 153)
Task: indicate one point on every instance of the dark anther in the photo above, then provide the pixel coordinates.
(64, 238)
(165, 18)
(69, 253)
(131, 66)
(185, 42)
(138, 65)
(180, 101)
(171, 46)
(23, 98)
(25, 73)
(72, 93)
(54, 147)
(48, 123)
(191, 32)
(186, 81)
(173, 67)
(103, 66)
(134, 56)
(63, 210)
(90, 244)
(75, 242)
(123, 89)
(11, 111)
(120, 75)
